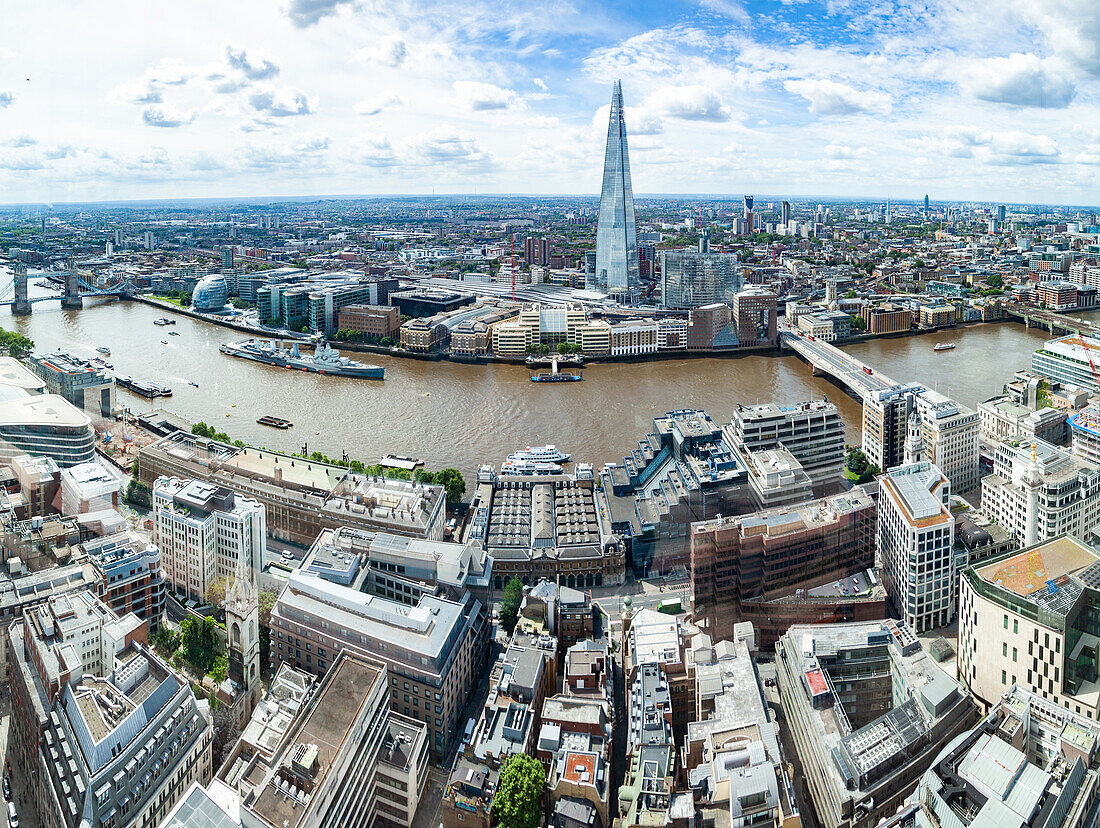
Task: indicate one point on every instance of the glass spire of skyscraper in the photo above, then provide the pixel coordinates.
(616, 238)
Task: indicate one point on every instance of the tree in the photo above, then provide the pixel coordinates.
(226, 731)
(509, 604)
(200, 643)
(518, 799)
(267, 604)
(858, 324)
(18, 346)
(995, 281)
(453, 482)
(215, 591)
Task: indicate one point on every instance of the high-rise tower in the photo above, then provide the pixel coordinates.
(616, 272)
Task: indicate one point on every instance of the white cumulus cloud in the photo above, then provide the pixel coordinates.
(282, 102)
(479, 97)
(167, 117)
(386, 51)
(1021, 79)
(692, 102)
(828, 97)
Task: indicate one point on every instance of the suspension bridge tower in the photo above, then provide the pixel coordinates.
(22, 305)
(71, 298)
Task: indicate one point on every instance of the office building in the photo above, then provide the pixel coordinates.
(318, 756)
(807, 564)
(434, 649)
(732, 759)
(46, 425)
(682, 471)
(1026, 619)
(1028, 763)
(300, 497)
(39, 485)
(785, 213)
(106, 732)
(916, 539)
(1084, 427)
(663, 641)
(754, 313)
(401, 568)
(1067, 360)
(371, 320)
(886, 415)
(886, 319)
(712, 327)
(828, 326)
(86, 386)
(128, 575)
(90, 487)
(868, 711)
(1002, 418)
(692, 279)
(616, 271)
(518, 679)
(1038, 491)
(204, 532)
(427, 302)
(811, 431)
(21, 589)
(634, 336)
(949, 433)
(538, 526)
(937, 316)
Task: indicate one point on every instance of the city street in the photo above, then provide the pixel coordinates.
(27, 816)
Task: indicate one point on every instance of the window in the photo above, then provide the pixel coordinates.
(1004, 677)
(1015, 626)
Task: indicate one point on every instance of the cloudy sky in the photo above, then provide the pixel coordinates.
(962, 99)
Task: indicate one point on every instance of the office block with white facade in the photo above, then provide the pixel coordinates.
(916, 536)
(203, 530)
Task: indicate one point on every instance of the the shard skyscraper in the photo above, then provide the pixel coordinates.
(616, 271)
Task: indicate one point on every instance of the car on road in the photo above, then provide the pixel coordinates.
(7, 789)
(13, 817)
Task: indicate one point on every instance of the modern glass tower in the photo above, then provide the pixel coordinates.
(616, 271)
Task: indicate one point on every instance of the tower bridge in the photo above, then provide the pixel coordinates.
(14, 294)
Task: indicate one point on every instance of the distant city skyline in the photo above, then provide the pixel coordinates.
(985, 101)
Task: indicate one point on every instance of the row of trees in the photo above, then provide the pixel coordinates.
(344, 335)
(450, 479)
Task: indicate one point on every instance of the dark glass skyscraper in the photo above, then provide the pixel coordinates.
(616, 272)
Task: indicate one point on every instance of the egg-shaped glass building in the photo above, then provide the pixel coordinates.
(210, 294)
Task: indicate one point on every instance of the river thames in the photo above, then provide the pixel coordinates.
(455, 414)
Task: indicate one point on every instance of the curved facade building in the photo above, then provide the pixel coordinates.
(210, 294)
(47, 425)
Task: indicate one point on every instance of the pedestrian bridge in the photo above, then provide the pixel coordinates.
(826, 359)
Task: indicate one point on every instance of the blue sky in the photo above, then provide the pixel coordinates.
(962, 99)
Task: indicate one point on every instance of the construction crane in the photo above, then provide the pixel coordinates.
(512, 237)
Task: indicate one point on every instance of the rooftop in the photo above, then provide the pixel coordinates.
(1034, 569)
(326, 726)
